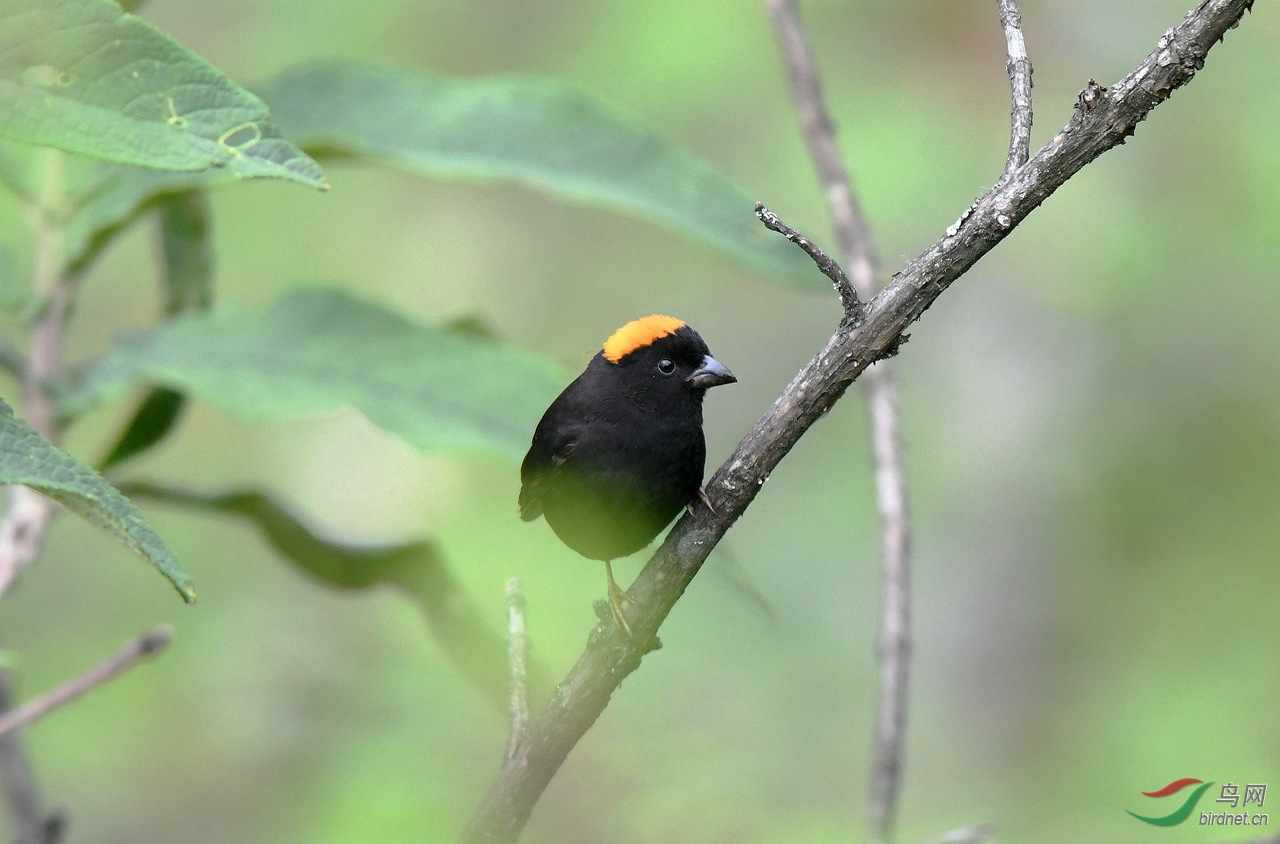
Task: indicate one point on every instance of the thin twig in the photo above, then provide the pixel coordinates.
(893, 647)
(27, 819)
(893, 638)
(1019, 69)
(852, 236)
(146, 645)
(825, 262)
(518, 657)
(1110, 117)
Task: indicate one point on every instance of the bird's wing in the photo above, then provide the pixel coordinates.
(553, 442)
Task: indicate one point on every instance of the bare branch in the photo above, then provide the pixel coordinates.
(893, 638)
(518, 656)
(825, 262)
(146, 645)
(1109, 117)
(893, 647)
(852, 236)
(29, 823)
(1019, 69)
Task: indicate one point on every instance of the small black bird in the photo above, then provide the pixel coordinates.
(620, 451)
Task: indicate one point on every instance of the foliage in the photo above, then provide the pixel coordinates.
(28, 458)
(86, 77)
(80, 76)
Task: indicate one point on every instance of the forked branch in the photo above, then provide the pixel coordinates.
(1019, 69)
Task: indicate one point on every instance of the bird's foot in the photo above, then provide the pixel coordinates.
(702, 496)
(616, 596)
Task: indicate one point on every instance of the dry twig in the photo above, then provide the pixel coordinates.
(143, 647)
(1019, 69)
(822, 260)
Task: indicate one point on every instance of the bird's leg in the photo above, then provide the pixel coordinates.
(616, 597)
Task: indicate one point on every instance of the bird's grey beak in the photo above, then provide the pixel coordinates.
(712, 373)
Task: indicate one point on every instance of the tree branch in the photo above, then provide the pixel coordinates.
(852, 236)
(27, 818)
(146, 645)
(893, 637)
(893, 645)
(1100, 123)
(1019, 70)
(824, 262)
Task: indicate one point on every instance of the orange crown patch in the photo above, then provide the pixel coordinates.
(639, 333)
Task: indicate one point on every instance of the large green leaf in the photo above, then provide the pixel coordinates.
(28, 458)
(538, 132)
(87, 77)
(319, 349)
(417, 568)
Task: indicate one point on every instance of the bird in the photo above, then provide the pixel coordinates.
(621, 451)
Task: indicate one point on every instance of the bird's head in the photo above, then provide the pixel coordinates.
(663, 354)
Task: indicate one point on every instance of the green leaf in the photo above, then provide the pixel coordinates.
(188, 288)
(537, 132)
(157, 414)
(188, 255)
(28, 458)
(319, 349)
(87, 77)
(417, 568)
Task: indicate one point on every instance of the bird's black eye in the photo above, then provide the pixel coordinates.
(666, 366)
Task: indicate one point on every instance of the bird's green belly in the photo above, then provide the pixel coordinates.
(604, 514)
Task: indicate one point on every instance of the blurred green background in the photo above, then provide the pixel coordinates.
(1092, 417)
